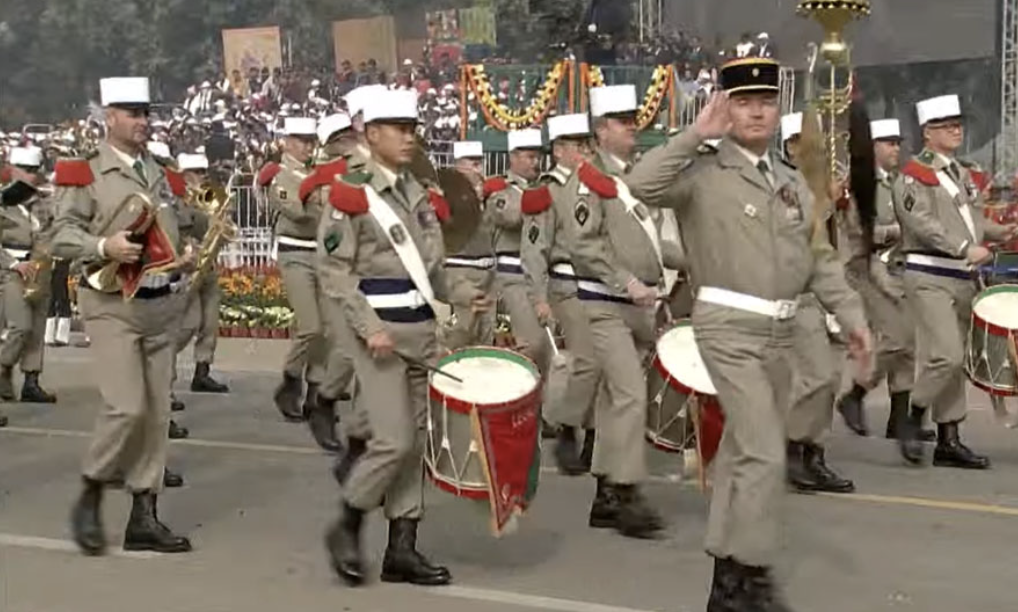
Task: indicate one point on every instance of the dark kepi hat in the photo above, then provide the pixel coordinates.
(750, 75)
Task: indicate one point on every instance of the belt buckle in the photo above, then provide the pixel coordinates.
(786, 309)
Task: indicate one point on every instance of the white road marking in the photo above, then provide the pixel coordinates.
(527, 601)
(53, 544)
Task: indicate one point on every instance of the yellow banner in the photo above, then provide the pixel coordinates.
(359, 40)
(477, 26)
(251, 48)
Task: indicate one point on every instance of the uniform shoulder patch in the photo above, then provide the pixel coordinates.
(535, 201)
(74, 173)
(598, 182)
(348, 199)
(441, 206)
(494, 185)
(322, 176)
(176, 182)
(921, 172)
(359, 177)
(332, 240)
(268, 173)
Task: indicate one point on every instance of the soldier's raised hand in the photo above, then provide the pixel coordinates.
(713, 121)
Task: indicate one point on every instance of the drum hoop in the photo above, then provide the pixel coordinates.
(460, 491)
(659, 365)
(982, 323)
(464, 407)
(995, 391)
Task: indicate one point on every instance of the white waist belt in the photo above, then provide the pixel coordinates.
(17, 253)
(945, 263)
(480, 263)
(776, 309)
(410, 299)
(154, 281)
(564, 269)
(600, 289)
(509, 260)
(296, 242)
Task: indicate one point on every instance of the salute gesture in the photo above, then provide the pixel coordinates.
(713, 121)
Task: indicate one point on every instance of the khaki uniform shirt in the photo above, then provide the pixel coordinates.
(293, 218)
(25, 227)
(507, 216)
(548, 236)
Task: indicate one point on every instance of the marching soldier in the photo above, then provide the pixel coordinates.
(879, 279)
(744, 317)
(295, 229)
(475, 262)
(939, 204)
(503, 198)
(25, 232)
(620, 263)
(385, 236)
(547, 263)
(337, 138)
(816, 377)
(132, 340)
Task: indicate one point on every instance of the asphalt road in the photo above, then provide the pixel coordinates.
(259, 496)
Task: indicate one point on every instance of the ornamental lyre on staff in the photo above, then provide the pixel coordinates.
(835, 143)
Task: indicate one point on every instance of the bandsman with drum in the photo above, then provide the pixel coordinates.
(939, 205)
(385, 236)
(747, 220)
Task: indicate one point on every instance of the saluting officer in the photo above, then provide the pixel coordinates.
(879, 279)
(938, 202)
(747, 220)
(295, 228)
(386, 239)
(547, 263)
(132, 340)
(25, 232)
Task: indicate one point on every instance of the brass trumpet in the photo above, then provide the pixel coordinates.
(216, 203)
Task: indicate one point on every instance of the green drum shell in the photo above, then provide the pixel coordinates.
(989, 360)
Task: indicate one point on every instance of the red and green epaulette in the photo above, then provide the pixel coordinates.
(494, 185)
(268, 173)
(598, 182)
(176, 182)
(323, 175)
(73, 173)
(535, 201)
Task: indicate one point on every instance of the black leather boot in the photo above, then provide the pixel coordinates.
(728, 588)
(795, 468)
(604, 512)
(3, 420)
(322, 422)
(343, 543)
(587, 454)
(402, 562)
(355, 447)
(145, 532)
(6, 383)
(177, 432)
(175, 404)
(202, 382)
(636, 518)
(310, 400)
(824, 478)
(548, 431)
(910, 428)
(950, 452)
(899, 410)
(853, 410)
(86, 519)
(761, 594)
(287, 398)
(567, 454)
(172, 480)
(33, 393)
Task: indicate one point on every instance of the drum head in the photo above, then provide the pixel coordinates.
(677, 352)
(998, 306)
(490, 376)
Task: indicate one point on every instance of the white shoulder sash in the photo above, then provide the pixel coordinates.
(645, 220)
(963, 206)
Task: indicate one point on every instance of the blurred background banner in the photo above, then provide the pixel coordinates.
(477, 26)
(247, 48)
(359, 40)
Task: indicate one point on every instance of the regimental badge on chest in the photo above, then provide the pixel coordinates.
(427, 218)
(793, 208)
(582, 212)
(398, 234)
(533, 234)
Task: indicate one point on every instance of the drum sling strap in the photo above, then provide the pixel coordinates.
(963, 206)
(646, 221)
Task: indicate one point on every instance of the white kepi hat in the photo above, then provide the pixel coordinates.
(791, 126)
(300, 126)
(613, 100)
(885, 129)
(392, 106)
(467, 149)
(159, 149)
(189, 161)
(125, 91)
(525, 139)
(331, 125)
(29, 157)
(568, 125)
(938, 109)
(358, 99)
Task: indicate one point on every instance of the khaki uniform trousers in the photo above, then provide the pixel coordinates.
(200, 322)
(339, 372)
(26, 324)
(527, 329)
(891, 318)
(943, 309)
(468, 328)
(132, 350)
(816, 376)
(308, 350)
(623, 337)
(578, 407)
(394, 395)
(749, 361)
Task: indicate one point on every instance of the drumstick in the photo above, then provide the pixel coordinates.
(551, 338)
(426, 366)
